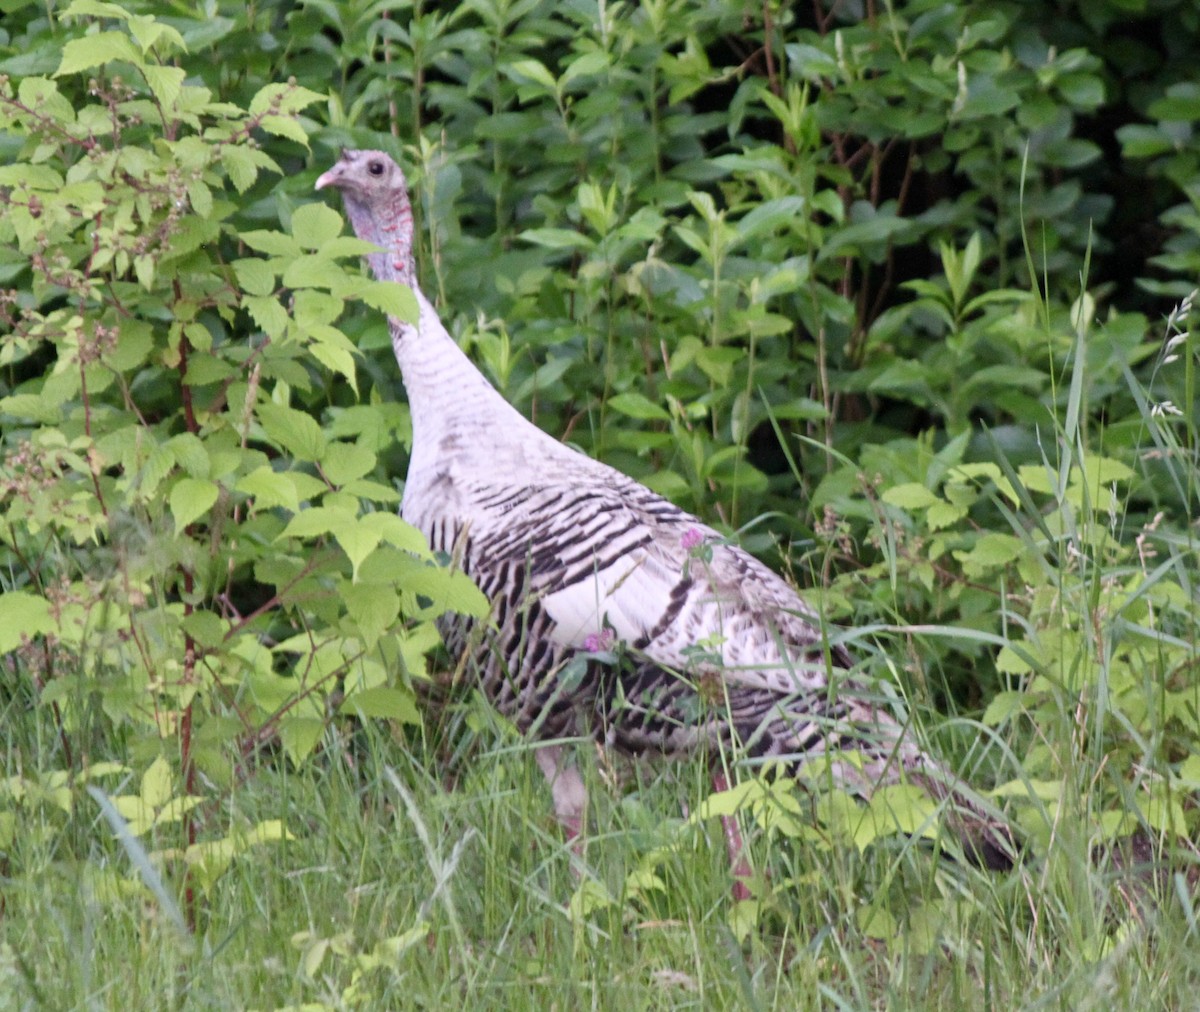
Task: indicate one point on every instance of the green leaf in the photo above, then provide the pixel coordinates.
(1182, 103)
(95, 9)
(191, 498)
(343, 462)
(166, 83)
(285, 126)
(637, 405)
(372, 490)
(206, 628)
(299, 736)
(23, 616)
(992, 551)
(268, 314)
(310, 271)
(1139, 140)
(382, 702)
(283, 98)
(356, 538)
(31, 406)
(532, 70)
(270, 489)
(292, 430)
(314, 225)
(348, 246)
(239, 165)
(558, 238)
(1003, 707)
(272, 243)
(588, 64)
(373, 607)
(396, 531)
(188, 450)
(158, 784)
(391, 298)
(255, 276)
(97, 50)
(779, 213)
(910, 496)
(316, 520)
(942, 514)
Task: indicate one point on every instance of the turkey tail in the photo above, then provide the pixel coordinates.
(987, 841)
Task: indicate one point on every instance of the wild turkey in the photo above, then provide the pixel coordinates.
(615, 612)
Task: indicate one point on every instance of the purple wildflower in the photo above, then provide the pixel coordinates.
(692, 537)
(596, 643)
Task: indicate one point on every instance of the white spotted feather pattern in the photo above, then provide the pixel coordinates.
(709, 648)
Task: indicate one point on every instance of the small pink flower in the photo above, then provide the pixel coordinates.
(596, 643)
(692, 537)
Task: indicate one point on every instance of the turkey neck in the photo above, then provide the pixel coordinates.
(451, 403)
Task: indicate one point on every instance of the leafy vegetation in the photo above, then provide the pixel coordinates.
(902, 298)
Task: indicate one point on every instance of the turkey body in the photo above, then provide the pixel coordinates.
(614, 612)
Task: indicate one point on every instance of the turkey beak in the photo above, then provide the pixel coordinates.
(331, 178)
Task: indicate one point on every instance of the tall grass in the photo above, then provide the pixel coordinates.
(394, 890)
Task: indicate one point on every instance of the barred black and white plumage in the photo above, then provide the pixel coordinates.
(710, 648)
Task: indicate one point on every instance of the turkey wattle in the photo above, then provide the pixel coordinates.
(701, 647)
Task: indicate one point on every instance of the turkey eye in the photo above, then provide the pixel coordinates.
(375, 168)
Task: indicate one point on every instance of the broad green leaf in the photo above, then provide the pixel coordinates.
(396, 531)
(23, 616)
(271, 243)
(1003, 707)
(588, 64)
(779, 213)
(942, 514)
(337, 360)
(637, 405)
(299, 736)
(391, 298)
(31, 406)
(558, 238)
(343, 462)
(310, 271)
(282, 98)
(189, 452)
(910, 496)
(992, 551)
(373, 607)
(96, 9)
(149, 33)
(294, 431)
(158, 783)
(316, 520)
(382, 702)
(533, 70)
(356, 538)
(372, 490)
(268, 314)
(191, 498)
(1104, 471)
(347, 246)
(166, 83)
(285, 126)
(270, 489)
(206, 628)
(315, 224)
(97, 50)
(241, 165)
(255, 276)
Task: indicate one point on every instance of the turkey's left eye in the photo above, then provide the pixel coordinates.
(375, 168)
